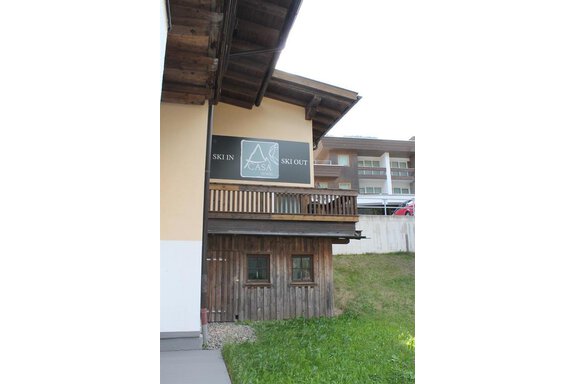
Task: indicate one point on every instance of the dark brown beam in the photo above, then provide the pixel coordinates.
(324, 119)
(253, 63)
(266, 7)
(186, 77)
(312, 106)
(182, 98)
(185, 88)
(229, 21)
(184, 46)
(195, 13)
(235, 101)
(203, 4)
(183, 60)
(286, 99)
(253, 82)
(257, 33)
(289, 20)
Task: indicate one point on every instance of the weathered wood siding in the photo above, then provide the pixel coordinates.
(231, 298)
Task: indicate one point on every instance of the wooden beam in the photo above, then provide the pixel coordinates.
(229, 8)
(186, 77)
(185, 88)
(187, 61)
(235, 101)
(288, 21)
(252, 63)
(266, 7)
(244, 79)
(311, 108)
(302, 83)
(203, 4)
(184, 46)
(282, 217)
(291, 100)
(182, 98)
(195, 13)
(323, 119)
(258, 33)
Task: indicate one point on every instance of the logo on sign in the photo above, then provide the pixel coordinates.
(259, 159)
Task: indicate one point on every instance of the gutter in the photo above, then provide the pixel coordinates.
(204, 281)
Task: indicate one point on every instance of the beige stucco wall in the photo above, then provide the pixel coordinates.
(273, 120)
(182, 159)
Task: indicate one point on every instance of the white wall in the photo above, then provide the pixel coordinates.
(180, 284)
(384, 234)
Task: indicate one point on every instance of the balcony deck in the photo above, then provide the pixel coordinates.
(266, 210)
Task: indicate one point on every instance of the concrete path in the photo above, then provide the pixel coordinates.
(188, 367)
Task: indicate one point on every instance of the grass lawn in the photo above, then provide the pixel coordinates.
(372, 341)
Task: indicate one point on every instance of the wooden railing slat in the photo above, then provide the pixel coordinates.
(279, 200)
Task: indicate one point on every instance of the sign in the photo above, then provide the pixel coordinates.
(243, 158)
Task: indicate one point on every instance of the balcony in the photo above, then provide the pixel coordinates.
(371, 173)
(402, 173)
(267, 210)
(325, 168)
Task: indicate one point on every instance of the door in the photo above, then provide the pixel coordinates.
(222, 286)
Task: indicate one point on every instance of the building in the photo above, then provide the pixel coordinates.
(382, 171)
(244, 232)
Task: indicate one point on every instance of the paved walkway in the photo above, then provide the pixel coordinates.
(198, 366)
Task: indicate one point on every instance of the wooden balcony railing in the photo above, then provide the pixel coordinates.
(282, 203)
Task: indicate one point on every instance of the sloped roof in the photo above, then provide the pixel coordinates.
(226, 50)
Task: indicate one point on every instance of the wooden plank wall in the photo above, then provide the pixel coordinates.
(231, 298)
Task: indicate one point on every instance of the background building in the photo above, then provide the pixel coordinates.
(382, 171)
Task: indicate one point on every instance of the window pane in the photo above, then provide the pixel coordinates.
(295, 262)
(343, 160)
(394, 164)
(396, 190)
(302, 268)
(403, 165)
(258, 267)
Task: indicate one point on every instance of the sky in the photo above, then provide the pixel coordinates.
(355, 45)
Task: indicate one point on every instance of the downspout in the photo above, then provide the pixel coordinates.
(204, 289)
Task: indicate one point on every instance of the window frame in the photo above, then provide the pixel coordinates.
(258, 281)
(311, 281)
(346, 189)
(347, 159)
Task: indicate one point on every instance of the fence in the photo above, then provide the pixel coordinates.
(383, 234)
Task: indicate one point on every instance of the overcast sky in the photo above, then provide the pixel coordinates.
(359, 46)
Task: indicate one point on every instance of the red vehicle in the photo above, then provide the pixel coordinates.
(406, 209)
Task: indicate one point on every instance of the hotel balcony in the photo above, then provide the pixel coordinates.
(282, 211)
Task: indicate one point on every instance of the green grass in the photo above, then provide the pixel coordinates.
(372, 341)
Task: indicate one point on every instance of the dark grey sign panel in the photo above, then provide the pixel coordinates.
(244, 158)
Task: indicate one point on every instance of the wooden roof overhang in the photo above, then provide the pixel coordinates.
(324, 104)
(226, 50)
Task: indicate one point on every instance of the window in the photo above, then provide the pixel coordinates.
(302, 269)
(322, 185)
(399, 164)
(369, 163)
(344, 160)
(402, 191)
(344, 186)
(370, 190)
(258, 268)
